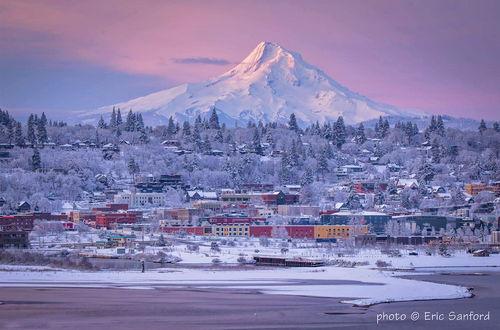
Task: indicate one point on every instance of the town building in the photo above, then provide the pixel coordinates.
(138, 199)
(475, 188)
(298, 210)
(375, 220)
(339, 231)
(14, 239)
(108, 220)
(235, 229)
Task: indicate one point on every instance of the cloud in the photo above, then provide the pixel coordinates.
(201, 60)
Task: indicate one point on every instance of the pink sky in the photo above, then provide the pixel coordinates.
(438, 56)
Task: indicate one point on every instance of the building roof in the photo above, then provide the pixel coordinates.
(408, 183)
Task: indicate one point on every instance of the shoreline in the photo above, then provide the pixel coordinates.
(227, 308)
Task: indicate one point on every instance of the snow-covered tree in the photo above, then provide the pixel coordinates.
(360, 134)
(292, 123)
(213, 122)
(36, 160)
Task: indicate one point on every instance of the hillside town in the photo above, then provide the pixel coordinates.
(121, 181)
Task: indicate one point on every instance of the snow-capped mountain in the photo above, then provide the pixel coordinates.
(268, 85)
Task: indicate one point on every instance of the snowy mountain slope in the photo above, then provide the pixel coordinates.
(268, 85)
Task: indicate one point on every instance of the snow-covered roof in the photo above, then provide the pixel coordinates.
(202, 194)
(408, 183)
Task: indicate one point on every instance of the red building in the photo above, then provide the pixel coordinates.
(47, 216)
(85, 217)
(108, 219)
(259, 231)
(227, 219)
(111, 208)
(300, 232)
(17, 222)
(68, 225)
(279, 198)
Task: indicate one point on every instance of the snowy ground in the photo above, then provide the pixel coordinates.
(362, 285)
(249, 247)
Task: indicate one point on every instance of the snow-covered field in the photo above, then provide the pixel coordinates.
(249, 247)
(362, 285)
(356, 286)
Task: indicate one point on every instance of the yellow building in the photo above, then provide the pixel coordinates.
(339, 231)
(230, 230)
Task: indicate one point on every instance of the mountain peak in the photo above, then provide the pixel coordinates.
(270, 84)
(267, 45)
(263, 54)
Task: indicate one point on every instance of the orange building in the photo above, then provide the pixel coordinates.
(475, 188)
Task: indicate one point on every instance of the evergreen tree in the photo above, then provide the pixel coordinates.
(433, 125)
(139, 122)
(213, 123)
(31, 130)
(327, 131)
(10, 132)
(328, 151)
(323, 161)
(496, 127)
(360, 134)
(257, 147)
(42, 129)
(206, 147)
(19, 138)
(410, 130)
(482, 126)
(197, 137)
(440, 126)
(307, 178)
(198, 123)
(385, 129)
(143, 138)
(101, 124)
(186, 129)
(130, 122)
(339, 132)
(436, 151)
(269, 138)
(118, 131)
(133, 167)
(426, 173)
(294, 155)
(219, 137)
(381, 128)
(119, 119)
(285, 173)
(36, 160)
(292, 123)
(171, 127)
(112, 121)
